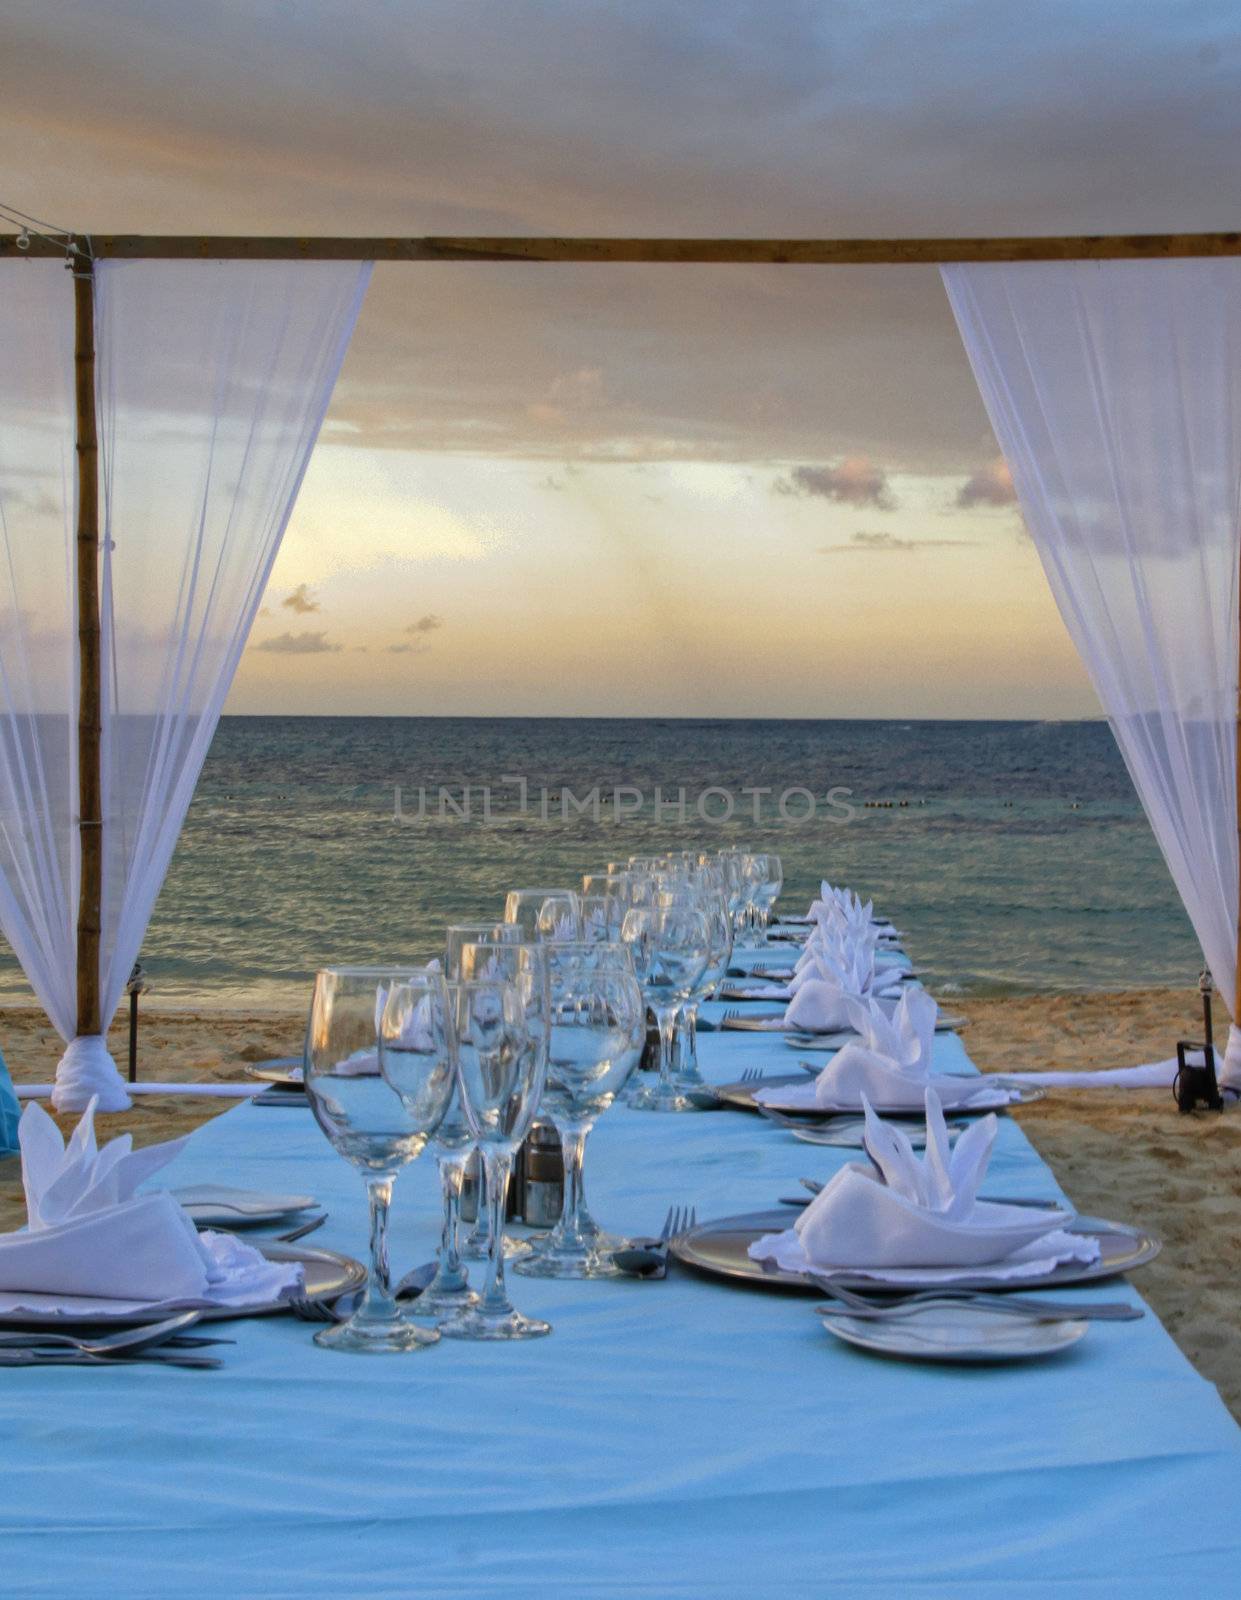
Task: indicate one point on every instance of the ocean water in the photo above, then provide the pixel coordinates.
(1015, 855)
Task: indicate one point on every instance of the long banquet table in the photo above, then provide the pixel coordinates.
(675, 1438)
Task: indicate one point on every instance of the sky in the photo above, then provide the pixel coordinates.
(600, 490)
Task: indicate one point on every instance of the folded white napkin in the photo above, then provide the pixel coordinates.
(839, 973)
(902, 1213)
(88, 1234)
(888, 1064)
(832, 939)
(841, 904)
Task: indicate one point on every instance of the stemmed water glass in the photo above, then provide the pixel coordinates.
(598, 1028)
(769, 892)
(602, 916)
(524, 965)
(501, 1068)
(670, 943)
(450, 1286)
(377, 1114)
(711, 901)
(460, 933)
(538, 911)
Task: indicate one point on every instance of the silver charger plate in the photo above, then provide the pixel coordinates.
(217, 1205)
(740, 992)
(741, 1096)
(279, 1071)
(327, 1274)
(957, 1334)
(720, 1248)
(760, 1022)
(946, 1022)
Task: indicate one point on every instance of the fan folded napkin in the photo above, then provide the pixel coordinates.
(902, 1214)
(89, 1234)
(888, 1064)
(840, 905)
(839, 972)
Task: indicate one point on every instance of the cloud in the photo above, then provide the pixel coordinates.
(888, 543)
(301, 600)
(991, 485)
(298, 644)
(427, 624)
(38, 502)
(856, 481)
(582, 390)
(408, 649)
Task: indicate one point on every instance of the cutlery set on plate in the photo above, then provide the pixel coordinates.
(167, 1343)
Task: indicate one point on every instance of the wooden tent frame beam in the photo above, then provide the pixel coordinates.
(447, 247)
(738, 252)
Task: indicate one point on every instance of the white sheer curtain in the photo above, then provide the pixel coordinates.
(1114, 389)
(213, 379)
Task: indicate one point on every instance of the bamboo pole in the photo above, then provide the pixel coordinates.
(752, 252)
(90, 785)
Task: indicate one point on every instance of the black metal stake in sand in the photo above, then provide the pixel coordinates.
(1194, 1084)
(136, 985)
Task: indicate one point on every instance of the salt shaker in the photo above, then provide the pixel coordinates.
(542, 1187)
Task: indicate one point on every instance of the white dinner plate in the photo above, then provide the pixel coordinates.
(957, 1334)
(216, 1205)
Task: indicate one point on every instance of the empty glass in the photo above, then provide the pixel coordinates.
(470, 933)
(449, 1290)
(670, 944)
(769, 892)
(602, 916)
(598, 1028)
(525, 965)
(535, 910)
(378, 1102)
(501, 1067)
(712, 903)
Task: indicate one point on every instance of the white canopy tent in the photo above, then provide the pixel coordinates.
(129, 586)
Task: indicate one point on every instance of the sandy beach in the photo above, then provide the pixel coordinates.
(1122, 1153)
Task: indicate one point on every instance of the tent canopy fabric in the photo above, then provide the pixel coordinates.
(1114, 389)
(212, 381)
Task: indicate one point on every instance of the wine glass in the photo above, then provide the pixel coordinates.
(713, 904)
(460, 933)
(558, 920)
(745, 873)
(616, 883)
(773, 883)
(449, 1290)
(524, 965)
(598, 1028)
(526, 908)
(377, 1115)
(669, 942)
(602, 916)
(500, 1068)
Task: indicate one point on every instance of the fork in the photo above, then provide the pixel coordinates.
(130, 1340)
(648, 1258)
(150, 1356)
(980, 1300)
(324, 1309)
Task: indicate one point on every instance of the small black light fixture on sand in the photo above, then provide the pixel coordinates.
(136, 985)
(1196, 1085)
